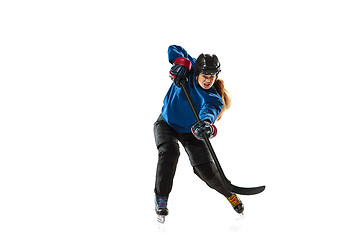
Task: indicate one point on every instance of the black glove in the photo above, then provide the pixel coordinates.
(199, 128)
(180, 71)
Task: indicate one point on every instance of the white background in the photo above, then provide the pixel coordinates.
(83, 81)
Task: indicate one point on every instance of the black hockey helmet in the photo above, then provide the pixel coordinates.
(207, 64)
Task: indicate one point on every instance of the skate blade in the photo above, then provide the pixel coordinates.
(161, 218)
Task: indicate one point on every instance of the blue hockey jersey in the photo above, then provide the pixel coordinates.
(176, 110)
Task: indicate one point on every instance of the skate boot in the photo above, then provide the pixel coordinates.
(161, 208)
(236, 203)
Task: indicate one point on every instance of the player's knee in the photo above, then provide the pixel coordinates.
(169, 149)
(205, 171)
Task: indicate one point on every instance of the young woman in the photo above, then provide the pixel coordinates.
(177, 123)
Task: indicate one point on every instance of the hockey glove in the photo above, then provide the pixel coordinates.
(180, 71)
(199, 128)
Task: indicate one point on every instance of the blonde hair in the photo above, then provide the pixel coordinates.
(225, 96)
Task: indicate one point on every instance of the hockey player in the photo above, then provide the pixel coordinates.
(177, 123)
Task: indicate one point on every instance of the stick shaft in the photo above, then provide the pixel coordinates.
(207, 141)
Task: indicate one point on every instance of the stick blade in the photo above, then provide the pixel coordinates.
(245, 191)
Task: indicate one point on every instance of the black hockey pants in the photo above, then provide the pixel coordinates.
(166, 140)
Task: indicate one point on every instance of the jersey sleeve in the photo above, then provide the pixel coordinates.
(211, 110)
(175, 52)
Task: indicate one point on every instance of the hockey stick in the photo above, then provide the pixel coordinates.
(232, 188)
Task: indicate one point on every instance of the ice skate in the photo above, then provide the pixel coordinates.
(161, 208)
(236, 203)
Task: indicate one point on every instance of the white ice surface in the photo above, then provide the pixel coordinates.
(81, 83)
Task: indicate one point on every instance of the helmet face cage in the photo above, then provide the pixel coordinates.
(207, 64)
